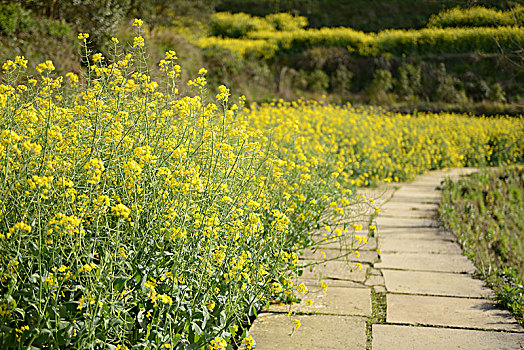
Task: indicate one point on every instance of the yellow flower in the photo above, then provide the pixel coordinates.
(97, 57)
(83, 36)
(217, 344)
(302, 289)
(211, 305)
(249, 342)
(138, 41)
(47, 65)
(297, 323)
(138, 22)
(121, 210)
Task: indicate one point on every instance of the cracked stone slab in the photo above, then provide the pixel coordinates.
(375, 280)
(386, 337)
(329, 282)
(415, 214)
(393, 244)
(271, 331)
(363, 256)
(417, 193)
(379, 289)
(448, 311)
(435, 283)
(437, 235)
(426, 262)
(335, 301)
(370, 245)
(340, 270)
(401, 206)
(384, 221)
(414, 201)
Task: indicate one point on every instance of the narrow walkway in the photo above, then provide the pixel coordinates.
(418, 293)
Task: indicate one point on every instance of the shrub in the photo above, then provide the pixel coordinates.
(13, 18)
(409, 81)
(341, 80)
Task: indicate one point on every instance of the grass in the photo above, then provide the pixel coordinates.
(485, 211)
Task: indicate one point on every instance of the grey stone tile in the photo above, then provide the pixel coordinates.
(448, 311)
(434, 283)
(272, 331)
(387, 337)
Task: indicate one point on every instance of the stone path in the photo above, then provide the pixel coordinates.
(418, 293)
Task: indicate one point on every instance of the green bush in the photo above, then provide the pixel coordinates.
(13, 18)
(409, 82)
(341, 80)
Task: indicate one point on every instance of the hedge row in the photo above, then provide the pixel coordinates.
(426, 41)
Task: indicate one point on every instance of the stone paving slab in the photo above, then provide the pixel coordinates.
(375, 280)
(394, 244)
(414, 235)
(404, 222)
(413, 193)
(370, 245)
(412, 200)
(435, 283)
(336, 301)
(271, 331)
(408, 206)
(331, 283)
(415, 214)
(448, 311)
(363, 256)
(335, 269)
(426, 262)
(387, 337)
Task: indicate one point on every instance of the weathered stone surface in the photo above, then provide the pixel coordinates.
(414, 201)
(336, 269)
(448, 311)
(329, 282)
(374, 280)
(379, 289)
(387, 337)
(404, 222)
(435, 283)
(375, 272)
(422, 235)
(409, 213)
(413, 192)
(393, 244)
(364, 256)
(336, 301)
(400, 205)
(426, 262)
(271, 331)
(370, 245)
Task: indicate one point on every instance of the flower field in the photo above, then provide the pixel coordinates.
(133, 217)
